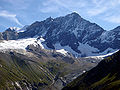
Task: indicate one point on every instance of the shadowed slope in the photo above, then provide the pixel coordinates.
(105, 76)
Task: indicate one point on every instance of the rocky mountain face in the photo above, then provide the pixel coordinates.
(108, 39)
(71, 33)
(105, 76)
(12, 33)
(9, 34)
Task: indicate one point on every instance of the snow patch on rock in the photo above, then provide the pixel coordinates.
(62, 51)
(20, 43)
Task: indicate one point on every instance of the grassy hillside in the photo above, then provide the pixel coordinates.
(105, 76)
(24, 71)
(38, 69)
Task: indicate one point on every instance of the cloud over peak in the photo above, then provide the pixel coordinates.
(28, 11)
(10, 16)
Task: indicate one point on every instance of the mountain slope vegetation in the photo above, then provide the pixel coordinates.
(38, 69)
(105, 76)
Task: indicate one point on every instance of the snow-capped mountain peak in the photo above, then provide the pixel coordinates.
(14, 28)
(71, 33)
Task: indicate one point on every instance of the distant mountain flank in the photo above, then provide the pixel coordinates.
(105, 76)
(72, 33)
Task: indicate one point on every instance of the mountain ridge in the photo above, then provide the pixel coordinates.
(70, 32)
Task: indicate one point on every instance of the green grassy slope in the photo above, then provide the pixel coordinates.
(105, 76)
(25, 71)
(38, 69)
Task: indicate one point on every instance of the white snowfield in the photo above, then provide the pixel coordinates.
(62, 51)
(21, 44)
(102, 56)
(17, 29)
(85, 50)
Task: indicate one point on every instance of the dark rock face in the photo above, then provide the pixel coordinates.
(105, 76)
(68, 31)
(1, 36)
(9, 35)
(39, 52)
(108, 39)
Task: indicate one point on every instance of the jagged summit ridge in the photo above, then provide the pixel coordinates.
(74, 34)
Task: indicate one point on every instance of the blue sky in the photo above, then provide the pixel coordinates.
(17, 13)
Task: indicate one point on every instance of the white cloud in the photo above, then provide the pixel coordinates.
(93, 8)
(49, 9)
(60, 5)
(113, 19)
(3, 26)
(97, 11)
(101, 7)
(90, 8)
(10, 16)
(18, 4)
